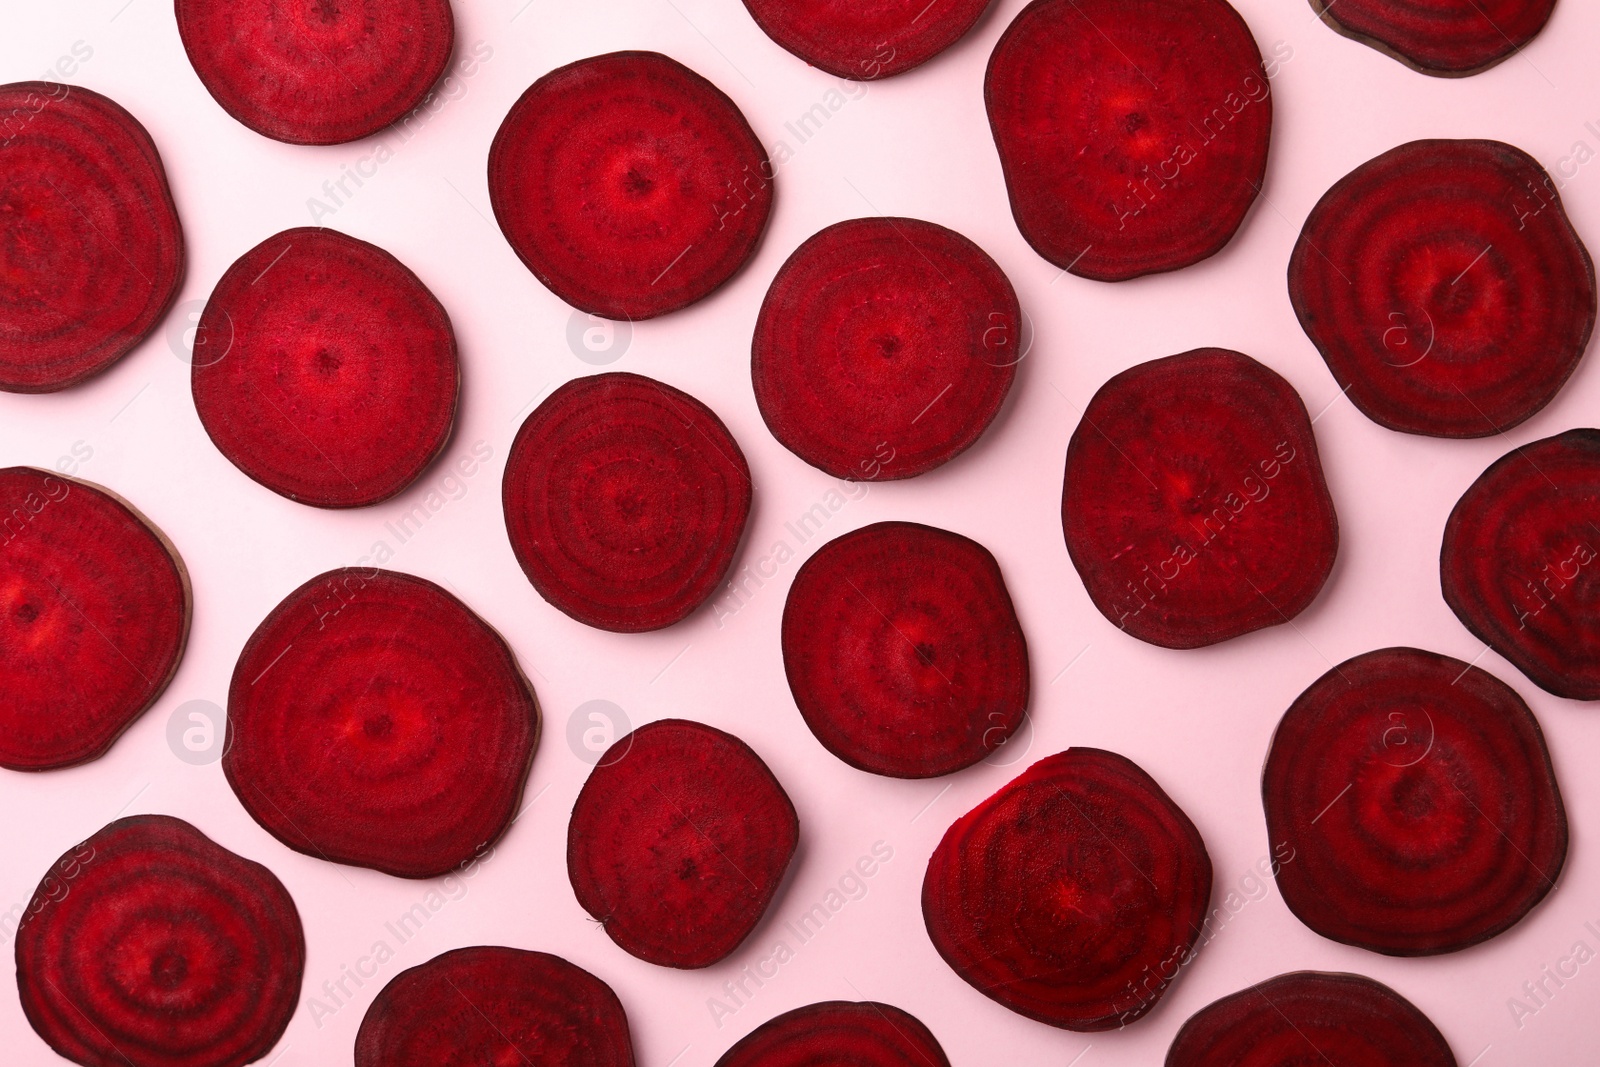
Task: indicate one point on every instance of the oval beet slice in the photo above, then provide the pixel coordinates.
(629, 185)
(373, 719)
(884, 348)
(1445, 38)
(1445, 288)
(91, 252)
(1071, 896)
(863, 1034)
(863, 41)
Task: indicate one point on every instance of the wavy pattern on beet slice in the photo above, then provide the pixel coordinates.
(1445, 288)
(1073, 895)
(151, 944)
(864, 41)
(374, 720)
(1445, 38)
(864, 1034)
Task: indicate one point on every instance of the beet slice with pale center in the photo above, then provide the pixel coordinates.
(864, 1034)
(1073, 895)
(864, 41)
(1445, 288)
(678, 842)
(1445, 38)
(374, 720)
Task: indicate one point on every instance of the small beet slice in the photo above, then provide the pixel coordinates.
(629, 185)
(1445, 288)
(863, 41)
(1073, 895)
(884, 348)
(373, 719)
(678, 842)
(1445, 38)
(864, 1034)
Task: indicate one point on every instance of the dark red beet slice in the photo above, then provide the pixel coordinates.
(373, 719)
(862, 1034)
(1194, 504)
(1445, 288)
(1073, 895)
(1133, 133)
(863, 41)
(91, 252)
(678, 842)
(151, 944)
(629, 184)
(884, 348)
(1445, 38)
(625, 500)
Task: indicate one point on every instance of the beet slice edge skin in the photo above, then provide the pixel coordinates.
(863, 1034)
(864, 42)
(1506, 27)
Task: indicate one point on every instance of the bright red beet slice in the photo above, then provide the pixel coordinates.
(884, 348)
(862, 1034)
(1073, 895)
(91, 252)
(373, 719)
(678, 842)
(1445, 288)
(863, 41)
(1445, 38)
(151, 944)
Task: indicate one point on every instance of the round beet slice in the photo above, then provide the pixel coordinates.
(864, 1034)
(678, 842)
(1073, 895)
(863, 41)
(884, 338)
(1132, 133)
(1445, 288)
(91, 252)
(151, 944)
(373, 719)
(1445, 38)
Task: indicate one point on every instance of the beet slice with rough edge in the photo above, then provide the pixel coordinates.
(91, 252)
(678, 842)
(865, 41)
(1132, 133)
(864, 1034)
(1073, 895)
(374, 720)
(903, 651)
(94, 616)
(1445, 288)
(625, 500)
(151, 944)
(629, 185)
(884, 348)
(1194, 504)
(1445, 38)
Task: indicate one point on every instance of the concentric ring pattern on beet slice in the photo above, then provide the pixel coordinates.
(91, 252)
(373, 719)
(864, 1034)
(1445, 38)
(629, 185)
(1417, 800)
(1073, 895)
(884, 348)
(151, 944)
(1132, 133)
(1445, 288)
(678, 842)
(863, 41)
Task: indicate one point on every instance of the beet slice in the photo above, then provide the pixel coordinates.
(1073, 895)
(1194, 505)
(1132, 133)
(373, 719)
(864, 1034)
(884, 348)
(151, 944)
(91, 252)
(625, 500)
(1445, 38)
(1445, 288)
(629, 185)
(865, 41)
(678, 842)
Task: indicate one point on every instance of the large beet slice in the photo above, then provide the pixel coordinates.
(863, 41)
(91, 252)
(373, 719)
(629, 185)
(678, 842)
(1445, 288)
(151, 944)
(864, 1034)
(1073, 895)
(1445, 38)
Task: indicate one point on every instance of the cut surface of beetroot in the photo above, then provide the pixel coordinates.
(629, 185)
(678, 842)
(625, 500)
(1444, 287)
(151, 944)
(903, 650)
(863, 41)
(864, 1034)
(1194, 504)
(1419, 802)
(91, 252)
(1073, 895)
(373, 719)
(1121, 159)
(1445, 38)
(884, 348)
